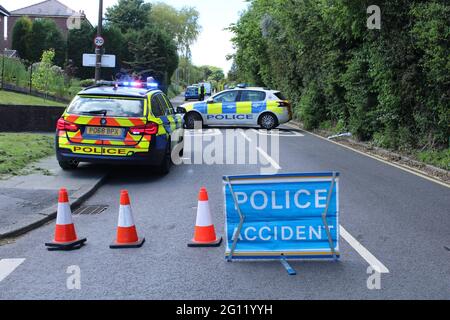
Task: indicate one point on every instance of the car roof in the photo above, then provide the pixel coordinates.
(119, 91)
(253, 89)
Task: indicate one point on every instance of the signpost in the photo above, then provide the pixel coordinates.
(108, 60)
(282, 217)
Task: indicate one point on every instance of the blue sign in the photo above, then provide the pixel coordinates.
(288, 216)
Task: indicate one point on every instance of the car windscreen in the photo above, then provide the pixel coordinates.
(280, 96)
(108, 106)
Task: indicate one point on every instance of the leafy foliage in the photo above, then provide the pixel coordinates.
(20, 34)
(390, 85)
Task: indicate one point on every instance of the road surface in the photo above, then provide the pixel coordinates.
(389, 217)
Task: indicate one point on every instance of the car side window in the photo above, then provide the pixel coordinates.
(253, 96)
(169, 106)
(157, 109)
(230, 96)
(163, 104)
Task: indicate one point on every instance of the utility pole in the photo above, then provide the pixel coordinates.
(98, 49)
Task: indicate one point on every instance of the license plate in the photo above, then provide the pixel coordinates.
(104, 131)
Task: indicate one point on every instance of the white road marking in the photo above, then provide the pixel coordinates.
(272, 162)
(202, 133)
(7, 266)
(401, 167)
(363, 252)
(279, 133)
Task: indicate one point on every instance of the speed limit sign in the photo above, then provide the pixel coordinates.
(99, 41)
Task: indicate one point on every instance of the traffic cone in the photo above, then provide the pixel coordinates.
(65, 235)
(205, 233)
(127, 236)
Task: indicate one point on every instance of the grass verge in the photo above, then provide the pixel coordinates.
(17, 150)
(13, 98)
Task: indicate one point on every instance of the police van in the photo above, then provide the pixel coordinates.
(244, 106)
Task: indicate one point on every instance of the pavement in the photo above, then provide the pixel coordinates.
(27, 201)
(388, 214)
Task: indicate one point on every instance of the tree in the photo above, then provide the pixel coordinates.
(189, 30)
(389, 86)
(79, 41)
(166, 18)
(116, 44)
(20, 35)
(153, 53)
(46, 35)
(129, 15)
(43, 75)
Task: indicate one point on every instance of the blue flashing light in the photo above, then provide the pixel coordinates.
(138, 84)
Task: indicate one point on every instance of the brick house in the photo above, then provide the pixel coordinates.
(3, 14)
(50, 9)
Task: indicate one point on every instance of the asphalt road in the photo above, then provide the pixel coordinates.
(400, 219)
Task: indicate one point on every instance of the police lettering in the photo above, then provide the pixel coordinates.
(99, 151)
(230, 117)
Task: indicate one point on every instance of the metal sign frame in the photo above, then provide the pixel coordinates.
(235, 239)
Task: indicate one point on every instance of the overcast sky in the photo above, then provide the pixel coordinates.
(215, 15)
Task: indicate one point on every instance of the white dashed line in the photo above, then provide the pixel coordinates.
(363, 252)
(272, 162)
(7, 266)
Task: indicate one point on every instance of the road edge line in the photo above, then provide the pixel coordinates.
(49, 213)
(395, 165)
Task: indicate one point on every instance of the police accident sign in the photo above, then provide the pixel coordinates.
(288, 216)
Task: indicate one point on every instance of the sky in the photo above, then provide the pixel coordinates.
(213, 43)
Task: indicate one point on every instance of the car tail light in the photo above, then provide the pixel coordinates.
(149, 128)
(66, 126)
(284, 104)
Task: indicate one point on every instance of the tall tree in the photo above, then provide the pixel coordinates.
(153, 53)
(46, 35)
(20, 35)
(79, 41)
(129, 15)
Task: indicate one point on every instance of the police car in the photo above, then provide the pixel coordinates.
(129, 122)
(244, 106)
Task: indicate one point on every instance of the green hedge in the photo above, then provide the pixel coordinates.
(390, 85)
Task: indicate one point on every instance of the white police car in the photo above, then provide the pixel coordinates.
(240, 107)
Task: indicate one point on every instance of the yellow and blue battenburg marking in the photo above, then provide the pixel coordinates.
(235, 108)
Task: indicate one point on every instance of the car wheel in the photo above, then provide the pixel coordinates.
(268, 121)
(191, 119)
(166, 164)
(69, 165)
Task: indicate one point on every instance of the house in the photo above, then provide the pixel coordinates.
(49, 9)
(3, 14)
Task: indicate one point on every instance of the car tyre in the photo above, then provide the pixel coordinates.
(68, 165)
(268, 121)
(166, 164)
(191, 119)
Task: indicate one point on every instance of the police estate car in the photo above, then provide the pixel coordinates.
(241, 107)
(119, 123)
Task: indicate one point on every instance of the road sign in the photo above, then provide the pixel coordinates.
(282, 217)
(99, 41)
(108, 60)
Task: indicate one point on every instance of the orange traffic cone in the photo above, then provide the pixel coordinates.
(65, 235)
(205, 233)
(127, 236)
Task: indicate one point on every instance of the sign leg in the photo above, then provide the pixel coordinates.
(288, 267)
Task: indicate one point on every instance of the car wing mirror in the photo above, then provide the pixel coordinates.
(181, 110)
(210, 100)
